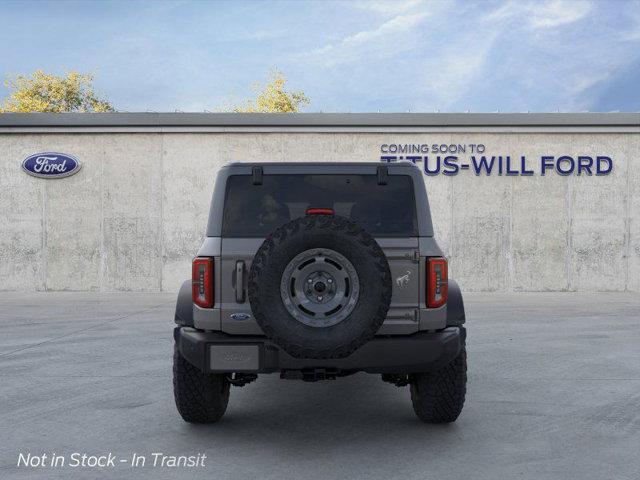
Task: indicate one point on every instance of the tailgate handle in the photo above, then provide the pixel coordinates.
(240, 281)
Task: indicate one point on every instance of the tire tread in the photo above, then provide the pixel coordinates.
(325, 223)
(200, 397)
(438, 397)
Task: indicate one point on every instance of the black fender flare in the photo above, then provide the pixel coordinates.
(455, 305)
(184, 306)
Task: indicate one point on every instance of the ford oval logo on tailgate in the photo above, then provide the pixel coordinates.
(240, 316)
(51, 165)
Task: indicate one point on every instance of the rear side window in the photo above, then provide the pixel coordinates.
(256, 210)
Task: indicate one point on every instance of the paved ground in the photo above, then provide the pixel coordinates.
(554, 393)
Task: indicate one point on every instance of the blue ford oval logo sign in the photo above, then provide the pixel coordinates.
(51, 165)
(240, 316)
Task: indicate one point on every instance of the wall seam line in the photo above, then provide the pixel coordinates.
(161, 233)
(451, 219)
(569, 255)
(102, 241)
(510, 280)
(45, 255)
(628, 228)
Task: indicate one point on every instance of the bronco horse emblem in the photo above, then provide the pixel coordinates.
(403, 280)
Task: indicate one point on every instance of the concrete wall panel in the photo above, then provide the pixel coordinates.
(253, 147)
(140, 206)
(598, 219)
(481, 226)
(22, 258)
(132, 197)
(539, 218)
(73, 217)
(632, 146)
(355, 147)
(188, 176)
(308, 147)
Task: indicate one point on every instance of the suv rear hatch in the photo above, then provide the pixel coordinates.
(386, 208)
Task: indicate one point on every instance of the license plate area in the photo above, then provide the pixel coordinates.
(234, 358)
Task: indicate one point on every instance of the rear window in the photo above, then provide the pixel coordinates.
(256, 210)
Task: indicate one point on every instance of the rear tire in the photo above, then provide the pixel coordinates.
(200, 397)
(438, 397)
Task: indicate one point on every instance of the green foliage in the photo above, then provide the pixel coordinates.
(273, 98)
(42, 92)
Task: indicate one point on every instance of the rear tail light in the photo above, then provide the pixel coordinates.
(437, 282)
(202, 282)
(320, 211)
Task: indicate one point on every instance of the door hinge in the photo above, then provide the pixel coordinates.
(383, 174)
(239, 281)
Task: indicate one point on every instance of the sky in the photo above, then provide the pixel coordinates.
(347, 56)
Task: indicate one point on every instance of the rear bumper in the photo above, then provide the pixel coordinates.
(216, 352)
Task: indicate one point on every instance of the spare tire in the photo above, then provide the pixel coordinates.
(320, 286)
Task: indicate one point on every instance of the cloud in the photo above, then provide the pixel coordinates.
(506, 11)
(541, 15)
(519, 56)
(557, 64)
(388, 8)
(470, 60)
(393, 36)
(457, 67)
(508, 55)
(632, 12)
(556, 13)
(511, 55)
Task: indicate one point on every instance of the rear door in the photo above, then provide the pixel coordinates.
(386, 211)
(236, 316)
(402, 255)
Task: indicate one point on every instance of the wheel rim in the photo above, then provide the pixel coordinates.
(319, 287)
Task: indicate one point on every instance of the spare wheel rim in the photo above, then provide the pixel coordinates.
(320, 287)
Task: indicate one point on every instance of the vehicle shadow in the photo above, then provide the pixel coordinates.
(292, 415)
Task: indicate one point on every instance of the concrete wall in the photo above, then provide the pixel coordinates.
(134, 215)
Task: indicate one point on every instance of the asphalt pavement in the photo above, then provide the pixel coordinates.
(553, 393)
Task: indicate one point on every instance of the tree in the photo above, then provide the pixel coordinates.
(43, 92)
(273, 98)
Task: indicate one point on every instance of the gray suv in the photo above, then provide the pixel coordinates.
(317, 271)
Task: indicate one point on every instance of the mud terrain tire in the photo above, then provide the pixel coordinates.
(200, 397)
(438, 397)
(308, 234)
